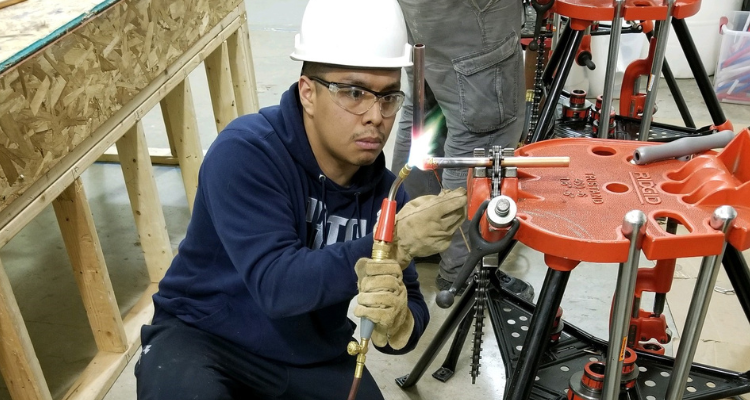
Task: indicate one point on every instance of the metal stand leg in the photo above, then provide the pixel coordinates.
(699, 72)
(653, 80)
(739, 275)
(554, 58)
(633, 227)
(679, 100)
(609, 77)
(451, 360)
(721, 220)
(566, 63)
(460, 311)
(520, 384)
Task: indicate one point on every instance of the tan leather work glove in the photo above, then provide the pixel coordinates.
(383, 300)
(425, 225)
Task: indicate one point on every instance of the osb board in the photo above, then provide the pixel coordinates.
(33, 24)
(54, 100)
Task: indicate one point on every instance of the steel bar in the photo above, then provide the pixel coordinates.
(720, 220)
(609, 76)
(633, 228)
(679, 99)
(653, 80)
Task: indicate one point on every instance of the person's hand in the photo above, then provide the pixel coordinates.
(425, 225)
(382, 299)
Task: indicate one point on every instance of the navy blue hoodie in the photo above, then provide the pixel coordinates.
(254, 267)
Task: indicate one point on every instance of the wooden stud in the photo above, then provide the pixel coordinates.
(85, 252)
(182, 127)
(18, 362)
(144, 200)
(220, 86)
(243, 73)
(103, 370)
(159, 156)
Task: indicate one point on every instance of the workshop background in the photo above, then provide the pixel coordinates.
(40, 274)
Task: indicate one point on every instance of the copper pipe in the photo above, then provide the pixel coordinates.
(432, 163)
(417, 92)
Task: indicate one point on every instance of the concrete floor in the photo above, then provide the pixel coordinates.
(37, 265)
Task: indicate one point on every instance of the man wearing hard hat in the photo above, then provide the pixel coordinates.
(255, 304)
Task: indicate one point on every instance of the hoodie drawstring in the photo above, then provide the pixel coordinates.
(322, 179)
(360, 231)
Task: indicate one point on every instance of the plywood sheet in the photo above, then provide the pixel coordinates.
(35, 23)
(52, 102)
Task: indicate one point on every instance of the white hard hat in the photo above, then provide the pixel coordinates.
(357, 33)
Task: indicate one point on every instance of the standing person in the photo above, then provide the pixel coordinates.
(473, 66)
(255, 304)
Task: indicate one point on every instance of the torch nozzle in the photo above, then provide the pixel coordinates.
(402, 174)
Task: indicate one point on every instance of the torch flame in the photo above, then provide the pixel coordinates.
(423, 143)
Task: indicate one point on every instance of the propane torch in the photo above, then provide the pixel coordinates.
(381, 250)
(381, 247)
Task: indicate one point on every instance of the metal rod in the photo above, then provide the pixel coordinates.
(522, 381)
(720, 220)
(633, 228)
(554, 58)
(660, 300)
(418, 99)
(609, 76)
(699, 71)
(739, 276)
(555, 31)
(679, 99)
(653, 81)
(566, 63)
(431, 163)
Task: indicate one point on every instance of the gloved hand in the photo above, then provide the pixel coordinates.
(383, 300)
(425, 225)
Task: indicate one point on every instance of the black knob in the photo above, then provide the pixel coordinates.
(445, 298)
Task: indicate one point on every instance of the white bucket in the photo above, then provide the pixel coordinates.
(632, 47)
(704, 28)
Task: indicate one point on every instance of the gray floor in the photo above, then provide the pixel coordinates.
(41, 277)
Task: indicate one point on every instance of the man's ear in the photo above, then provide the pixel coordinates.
(307, 94)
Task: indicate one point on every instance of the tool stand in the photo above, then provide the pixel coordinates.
(605, 209)
(637, 108)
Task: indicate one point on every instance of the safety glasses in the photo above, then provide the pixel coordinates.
(358, 100)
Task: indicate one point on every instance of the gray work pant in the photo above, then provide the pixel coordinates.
(474, 68)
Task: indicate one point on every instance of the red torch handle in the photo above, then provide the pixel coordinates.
(387, 221)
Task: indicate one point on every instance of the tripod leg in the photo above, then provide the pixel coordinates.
(554, 59)
(566, 63)
(739, 275)
(451, 360)
(699, 72)
(520, 384)
(460, 311)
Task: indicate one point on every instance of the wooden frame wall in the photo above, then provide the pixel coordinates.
(61, 109)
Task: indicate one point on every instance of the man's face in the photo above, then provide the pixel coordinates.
(341, 140)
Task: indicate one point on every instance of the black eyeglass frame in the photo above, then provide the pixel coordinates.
(333, 87)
